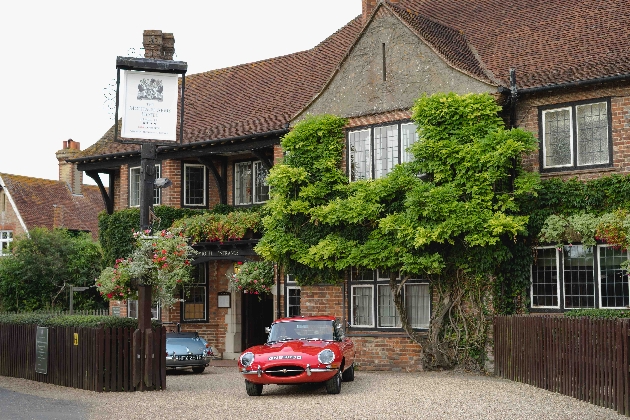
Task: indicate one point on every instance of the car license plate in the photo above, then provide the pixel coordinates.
(190, 357)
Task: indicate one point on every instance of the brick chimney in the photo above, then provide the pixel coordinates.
(68, 172)
(158, 45)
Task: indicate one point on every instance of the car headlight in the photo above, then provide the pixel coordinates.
(326, 357)
(247, 358)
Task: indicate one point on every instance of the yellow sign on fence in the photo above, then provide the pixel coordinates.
(76, 339)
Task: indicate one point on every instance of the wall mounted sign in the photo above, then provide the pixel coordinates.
(224, 299)
(150, 105)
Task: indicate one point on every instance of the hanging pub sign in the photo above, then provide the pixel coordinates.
(148, 105)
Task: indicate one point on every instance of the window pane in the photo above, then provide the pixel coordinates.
(293, 301)
(194, 185)
(385, 149)
(261, 189)
(6, 236)
(557, 134)
(194, 303)
(157, 191)
(134, 187)
(613, 280)
(408, 136)
(360, 155)
(243, 183)
(545, 278)
(387, 313)
(579, 284)
(418, 305)
(592, 134)
(362, 306)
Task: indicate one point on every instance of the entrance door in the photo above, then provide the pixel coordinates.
(257, 314)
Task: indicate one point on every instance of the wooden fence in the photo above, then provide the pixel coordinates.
(103, 312)
(95, 359)
(580, 357)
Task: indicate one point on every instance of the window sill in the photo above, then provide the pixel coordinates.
(350, 332)
(552, 173)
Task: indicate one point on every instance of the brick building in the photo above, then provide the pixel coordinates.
(560, 70)
(27, 202)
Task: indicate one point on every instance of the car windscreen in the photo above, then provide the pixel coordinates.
(301, 330)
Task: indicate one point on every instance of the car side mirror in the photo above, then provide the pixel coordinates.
(268, 330)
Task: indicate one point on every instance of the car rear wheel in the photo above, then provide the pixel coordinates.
(333, 385)
(198, 369)
(253, 390)
(348, 374)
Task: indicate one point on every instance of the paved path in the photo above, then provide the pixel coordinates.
(219, 393)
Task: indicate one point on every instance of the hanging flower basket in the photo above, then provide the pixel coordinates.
(161, 261)
(253, 277)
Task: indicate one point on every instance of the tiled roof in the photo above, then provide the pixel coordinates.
(47, 203)
(252, 98)
(548, 42)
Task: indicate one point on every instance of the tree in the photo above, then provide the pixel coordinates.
(451, 215)
(42, 266)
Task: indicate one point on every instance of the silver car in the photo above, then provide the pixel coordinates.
(187, 350)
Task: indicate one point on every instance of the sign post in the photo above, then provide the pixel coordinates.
(149, 118)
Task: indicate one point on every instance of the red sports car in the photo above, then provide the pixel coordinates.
(300, 350)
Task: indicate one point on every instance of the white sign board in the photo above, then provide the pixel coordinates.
(150, 106)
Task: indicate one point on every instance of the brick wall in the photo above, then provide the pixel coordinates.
(8, 217)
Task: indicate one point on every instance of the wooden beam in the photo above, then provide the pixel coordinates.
(107, 198)
(268, 164)
(220, 180)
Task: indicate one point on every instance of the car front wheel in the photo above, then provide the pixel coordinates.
(253, 390)
(348, 374)
(333, 385)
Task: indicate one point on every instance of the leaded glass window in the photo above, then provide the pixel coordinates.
(544, 290)
(360, 154)
(385, 149)
(194, 185)
(592, 134)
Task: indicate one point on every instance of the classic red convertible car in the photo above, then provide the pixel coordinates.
(300, 350)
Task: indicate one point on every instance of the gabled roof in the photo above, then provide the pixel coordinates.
(51, 204)
(547, 42)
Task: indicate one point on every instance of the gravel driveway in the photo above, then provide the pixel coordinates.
(219, 393)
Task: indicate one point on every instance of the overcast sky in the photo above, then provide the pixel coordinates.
(59, 57)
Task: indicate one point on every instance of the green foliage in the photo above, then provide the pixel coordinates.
(209, 227)
(41, 267)
(598, 313)
(576, 228)
(76, 321)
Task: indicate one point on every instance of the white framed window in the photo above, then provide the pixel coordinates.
(614, 290)
(194, 185)
(408, 136)
(579, 276)
(261, 188)
(134, 186)
(360, 155)
(292, 297)
(575, 136)
(132, 310)
(250, 183)
(374, 151)
(385, 149)
(195, 296)
(372, 301)
(6, 237)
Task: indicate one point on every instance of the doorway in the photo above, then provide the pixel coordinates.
(257, 314)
